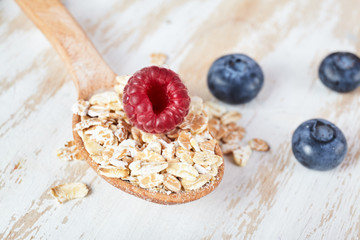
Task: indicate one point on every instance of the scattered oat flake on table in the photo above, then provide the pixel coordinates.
(69, 152)
(230, 117)
(228, 148)
(223, 127)
(69, 191)
(233, 134)
(158, 59)
(259, 145)
(242, 155)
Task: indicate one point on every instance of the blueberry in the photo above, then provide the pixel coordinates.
(340, 71)
(318, 144)
(235, 78)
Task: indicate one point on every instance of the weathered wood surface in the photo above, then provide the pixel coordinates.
(273, 197)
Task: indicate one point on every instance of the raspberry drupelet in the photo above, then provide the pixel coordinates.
(155, 100)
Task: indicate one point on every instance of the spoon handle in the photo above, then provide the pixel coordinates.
(89, 71)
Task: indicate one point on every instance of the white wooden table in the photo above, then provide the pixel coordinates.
(273, 197)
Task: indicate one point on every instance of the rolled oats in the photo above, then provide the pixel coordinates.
(163, 139)
(154, 157)
(153, 147)
(140, 156)
(206, 158)
(69, 191)
(146, 168)
(184, 155)
(130, 146)
(114, 152)
(228, 148)
(122, 115)
(200, 169)
(119, 89)
(208, 146)
(113, 171)
(173, 134)
(216, 129)
(223, 127)
(92, 147)
(196, 183)
(183, 170)
(84, 124)
(115, 106)
(104, 98)
(81, 107)
(119, 163)
(169, 152)
(172, 183)
(98, 111)
(196, 105)
(230, 117)
(151, 180)
(69, 152)
(195, 144)
(205, 136)
(184, 140)
(148, 137)
(196, 123)
(233, 134)
(213, 171)
(183, 159)
(242, 155)
(136, 134)
(213, 109)
(151, 161)
(128, 160)
(158, 59)
(259, 145)
(100, 160)
(122, 131)
(101, 135)
(121, 82)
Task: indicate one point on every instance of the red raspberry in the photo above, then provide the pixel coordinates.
(155, 100)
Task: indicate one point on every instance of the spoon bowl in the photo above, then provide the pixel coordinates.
(91, 74)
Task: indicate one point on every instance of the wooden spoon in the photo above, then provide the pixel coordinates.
(91, 74)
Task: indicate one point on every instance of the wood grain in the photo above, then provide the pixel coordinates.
(273, 197)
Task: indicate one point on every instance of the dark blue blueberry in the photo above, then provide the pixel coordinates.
(340, 71)
(318, 144)
(235, 78)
